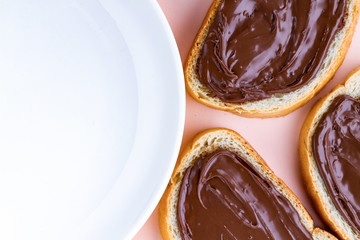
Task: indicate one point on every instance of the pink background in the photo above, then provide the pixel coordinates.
(274, 139)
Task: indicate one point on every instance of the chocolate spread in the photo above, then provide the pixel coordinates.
(336, 147)
(224, 197)
(257, 48)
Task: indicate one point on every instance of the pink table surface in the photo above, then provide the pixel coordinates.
(275, 139)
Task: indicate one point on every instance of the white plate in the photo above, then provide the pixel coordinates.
(92, 106)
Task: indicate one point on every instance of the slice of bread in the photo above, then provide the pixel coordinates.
(207, 142)
(278, 104)
(311, 174)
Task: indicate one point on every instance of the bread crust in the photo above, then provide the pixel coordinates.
(310, 173)
(275, 106)
(209, 141)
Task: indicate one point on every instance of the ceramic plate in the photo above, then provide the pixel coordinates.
(92, 106)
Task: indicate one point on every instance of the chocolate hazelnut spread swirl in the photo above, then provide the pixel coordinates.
(224, 197)
(336, 147)
(257, 48)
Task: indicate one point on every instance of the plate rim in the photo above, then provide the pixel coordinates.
(156, 196)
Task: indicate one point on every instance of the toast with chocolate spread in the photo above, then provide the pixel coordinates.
(329, 149)
(262, 58)
(222, 189)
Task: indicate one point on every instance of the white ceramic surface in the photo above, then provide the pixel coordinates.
(92, 108)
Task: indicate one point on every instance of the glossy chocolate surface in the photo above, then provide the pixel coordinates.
(223, 197)
(257, 48)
